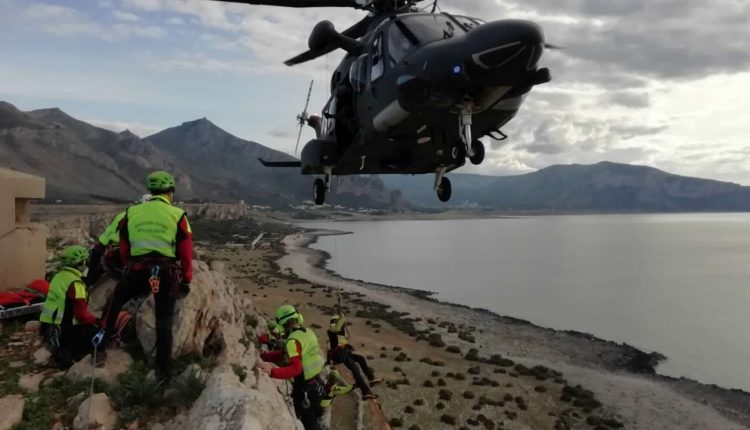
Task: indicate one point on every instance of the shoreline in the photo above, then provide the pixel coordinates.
(633, 359)
(621, 375)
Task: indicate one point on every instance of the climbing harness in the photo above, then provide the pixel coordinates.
(154, 280)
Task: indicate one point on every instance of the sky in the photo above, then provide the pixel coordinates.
(664, 83)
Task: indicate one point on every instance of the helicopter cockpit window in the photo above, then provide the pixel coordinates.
(399, 44)
(431, 28)
(377, 59)
(358, 73)
(468, 23)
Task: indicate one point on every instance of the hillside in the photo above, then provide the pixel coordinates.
(604, 187)
(86, 164)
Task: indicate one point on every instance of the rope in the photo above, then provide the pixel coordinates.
(95, 341)
(376, 409)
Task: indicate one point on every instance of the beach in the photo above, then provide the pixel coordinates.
(620, 378)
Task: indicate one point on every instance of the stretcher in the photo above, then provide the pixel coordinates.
(27, 301)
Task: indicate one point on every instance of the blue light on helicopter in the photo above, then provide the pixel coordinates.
(457, 70)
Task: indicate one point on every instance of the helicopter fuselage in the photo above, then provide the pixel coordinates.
(420, 87)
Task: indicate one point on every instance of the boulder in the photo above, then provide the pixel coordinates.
(12, 411)
(30, 383)
(32, 326)
(100, 293)
(226, 403)
(42, 356)
(203, 319)
(217, 266)
(101, 416)
(116, 363)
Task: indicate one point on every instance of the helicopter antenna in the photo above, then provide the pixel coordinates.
(434, 6)
(302, 118)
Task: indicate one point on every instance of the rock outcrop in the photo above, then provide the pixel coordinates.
(215, 318)
(101, 415)
(12, 411)
(30, 383)
(116, 363)
(203, 319)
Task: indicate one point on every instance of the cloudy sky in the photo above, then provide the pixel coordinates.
(664, 83)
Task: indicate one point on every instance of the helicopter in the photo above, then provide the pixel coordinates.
(415, 91)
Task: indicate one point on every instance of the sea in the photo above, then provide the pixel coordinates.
(678, 284)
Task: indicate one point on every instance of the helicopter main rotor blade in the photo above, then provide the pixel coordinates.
(299, 3)
(355, 32)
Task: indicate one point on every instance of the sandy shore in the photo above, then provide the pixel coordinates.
(641, 401)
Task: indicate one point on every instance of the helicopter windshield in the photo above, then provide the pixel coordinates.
(413, 31)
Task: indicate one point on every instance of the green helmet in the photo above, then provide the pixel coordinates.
(74, 256)
(285, 313)
(160, 182)
(273, 325)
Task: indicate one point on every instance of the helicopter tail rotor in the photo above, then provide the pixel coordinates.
(303, 117)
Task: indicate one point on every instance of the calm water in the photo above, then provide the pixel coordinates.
(677, 284)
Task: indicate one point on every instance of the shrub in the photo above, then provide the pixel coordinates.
(540, 389)
(396, 422)
(453, 349)
(408, 409)
(440, 406)
(418, 402)
(428, 384)
(468, 394)
(448, 419)
(474, 370)
(441, 382)
(446, 395)
(472, 355)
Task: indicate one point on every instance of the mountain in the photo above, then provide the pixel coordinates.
(601, 187)
(84, 164)
(237, 174)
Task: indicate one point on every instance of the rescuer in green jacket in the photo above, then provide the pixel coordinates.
(67, 324)
(305, 366)
(156, 249)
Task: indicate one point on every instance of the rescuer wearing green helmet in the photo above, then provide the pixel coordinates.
(67, 324)
(305, 366)
(342, 352)
(156, 249)
(105, 254)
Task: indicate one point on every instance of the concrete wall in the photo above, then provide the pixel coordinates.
(23, 246)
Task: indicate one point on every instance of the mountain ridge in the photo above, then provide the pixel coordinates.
(84, 163)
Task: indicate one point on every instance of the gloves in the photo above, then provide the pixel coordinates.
(184, 288)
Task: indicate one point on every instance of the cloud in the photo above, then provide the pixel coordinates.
(629, 99)
(126, 16)
(140, 130)
(630, 131)
(284, 132)
(65, 21)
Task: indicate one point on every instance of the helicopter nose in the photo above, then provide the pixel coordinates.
(506, 43)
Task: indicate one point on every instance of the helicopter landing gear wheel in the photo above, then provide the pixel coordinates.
(477, 148)
(444, 190)
(319, 191)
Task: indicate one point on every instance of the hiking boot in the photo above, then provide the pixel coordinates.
(369, 396)
(375, 381)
